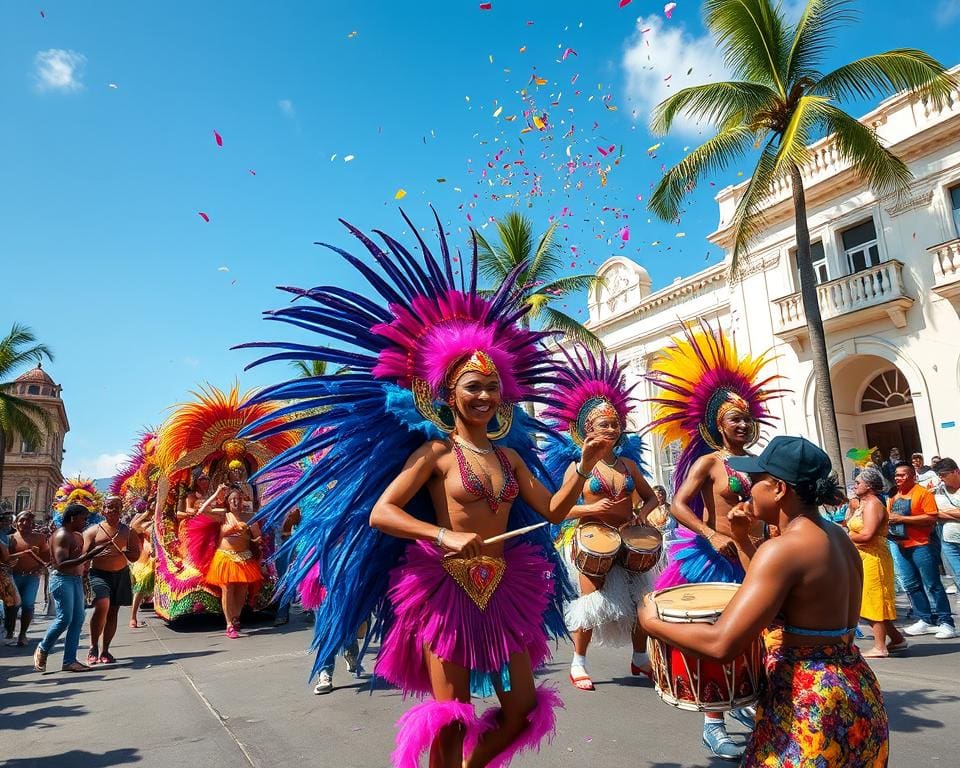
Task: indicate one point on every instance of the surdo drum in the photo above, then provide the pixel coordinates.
(595, 548)
(641, 547)
(702, 685)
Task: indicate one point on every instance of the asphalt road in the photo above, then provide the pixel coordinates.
(194, 698)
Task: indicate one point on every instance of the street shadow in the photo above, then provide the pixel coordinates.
(78, 758)
(160, 660)
(926, 650)
(27, 698)
(903, 707)
(19, 721)
(633, 681)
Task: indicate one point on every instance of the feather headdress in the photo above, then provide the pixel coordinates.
(207, 429)
(699, 377)
(78, 490)
(397, 351)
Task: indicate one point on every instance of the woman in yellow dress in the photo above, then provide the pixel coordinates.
(867, 528)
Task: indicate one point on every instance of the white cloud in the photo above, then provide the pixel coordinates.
(286, 106)
(947, 11)
(657, 60)
(59, 70)
(104, 465)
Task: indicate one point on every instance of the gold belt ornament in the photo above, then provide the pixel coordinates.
(238, 557)
(479, 577)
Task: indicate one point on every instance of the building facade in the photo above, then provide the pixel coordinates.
(889, 288)
(32, 473)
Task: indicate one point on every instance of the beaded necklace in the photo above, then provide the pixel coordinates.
(474, 485)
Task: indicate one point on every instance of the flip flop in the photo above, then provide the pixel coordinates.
(637, 671)
(871, 654)
(136, 624)
(75, 666)
(582, 683)
(22, 642)
(93, 656)
(106, 658)
(895, 647)
(39, 660)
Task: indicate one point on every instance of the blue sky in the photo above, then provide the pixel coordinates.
(107, 156)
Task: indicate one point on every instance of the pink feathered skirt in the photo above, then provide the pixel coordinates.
(432, 610)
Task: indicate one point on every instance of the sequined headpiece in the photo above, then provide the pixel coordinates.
(478, 362)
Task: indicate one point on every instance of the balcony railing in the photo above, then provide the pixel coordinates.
(946, 268)
(849, 300)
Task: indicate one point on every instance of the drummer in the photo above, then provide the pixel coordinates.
(808, 583)
(595, 401)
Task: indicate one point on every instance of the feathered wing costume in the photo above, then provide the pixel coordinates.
(589, 386)
(700, 378)
(136, 484)
(202, 436)
(387, 401)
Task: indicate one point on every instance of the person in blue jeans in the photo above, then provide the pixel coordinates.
(913, 513)
(30, 552)
(948, 511)
(66, 586)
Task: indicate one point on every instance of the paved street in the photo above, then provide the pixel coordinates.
(180, 698)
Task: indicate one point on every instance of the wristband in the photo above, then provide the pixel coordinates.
(440, 533)
(584, 475)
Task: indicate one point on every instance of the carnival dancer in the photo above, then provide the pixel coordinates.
(594, 399)
(142, 572)
(234, 565)
(109, 577)
(712, 403)
(200, 438)
(426, 443)
(821, 704)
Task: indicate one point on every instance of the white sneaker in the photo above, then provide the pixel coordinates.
(952, 589)
(324, 683)
(920, 628)
(945, 632)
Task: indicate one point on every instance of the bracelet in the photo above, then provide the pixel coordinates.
(708, 538)
(584, 475)
(440, 533)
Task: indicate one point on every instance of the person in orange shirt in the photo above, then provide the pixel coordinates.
(913, 513)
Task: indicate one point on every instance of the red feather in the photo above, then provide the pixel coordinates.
(203, 216)
(218, 138)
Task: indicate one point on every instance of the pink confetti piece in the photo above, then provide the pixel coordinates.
(568, 52)
(218, 138)
(668, 10)
(486, 6)
(625, 3)
(624, 234)
(203, 216)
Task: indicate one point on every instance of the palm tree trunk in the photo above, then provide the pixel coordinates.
(525, 324)
(3, 458)
(818, 343)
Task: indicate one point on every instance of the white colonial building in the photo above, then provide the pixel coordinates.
(889, 273)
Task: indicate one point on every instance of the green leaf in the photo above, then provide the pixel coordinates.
(491, 263)
(814, 36)
(571, 284)
(794, 141)
(754, 38)
(748, 218)
(712, 103)
(555, 320)
(903, 69)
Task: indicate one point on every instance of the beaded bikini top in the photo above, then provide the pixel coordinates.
(475, 486)
(599, 484)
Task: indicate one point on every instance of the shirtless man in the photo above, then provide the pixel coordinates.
(109, 577)
(30, 555)
(66, 586)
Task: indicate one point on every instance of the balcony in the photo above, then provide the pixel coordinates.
(946, 268)
(852, 300)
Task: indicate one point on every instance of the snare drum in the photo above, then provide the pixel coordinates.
(641, 547)
(702, 685)
(595, 548)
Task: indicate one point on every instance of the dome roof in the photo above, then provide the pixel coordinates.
(36, 375)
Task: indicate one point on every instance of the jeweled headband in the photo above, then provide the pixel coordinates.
(478, 362)
(722, 402)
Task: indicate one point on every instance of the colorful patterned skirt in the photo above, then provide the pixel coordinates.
(821, 708)
(474, 613)
(143, 577)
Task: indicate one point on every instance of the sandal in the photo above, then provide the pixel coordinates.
(636, 671)
(75, 666)
(897, 647)
(136, 624)
(582, 683)
(106, 658)
(40, 660)
(22, 642)
(93, 656)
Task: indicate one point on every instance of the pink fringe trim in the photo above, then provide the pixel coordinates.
(312, 591)
(542, 722)
(420, 725)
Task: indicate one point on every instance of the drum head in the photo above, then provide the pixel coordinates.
(643, 538)
(693, 602)
(599, 538)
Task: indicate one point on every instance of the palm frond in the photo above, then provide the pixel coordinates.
(491, 263)
(555, 320)
(858, 144)
(537, 302)
(748, 218)
(571, 284)
(712, 103)
(15, 352)
(902, 69)
(546, 259)
(795, 140)
(516, 237)
(23, 418)
(729, 144)
(814, 36)
(752, 34)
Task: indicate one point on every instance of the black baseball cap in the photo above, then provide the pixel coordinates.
(791, 459)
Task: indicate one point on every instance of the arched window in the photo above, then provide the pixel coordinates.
(23, 499)
(33, 389)
(887, 390)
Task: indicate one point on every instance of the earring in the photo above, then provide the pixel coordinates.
(504, 421)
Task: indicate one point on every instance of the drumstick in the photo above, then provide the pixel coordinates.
(512, 534)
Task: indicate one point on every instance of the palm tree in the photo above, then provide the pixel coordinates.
(19, 416)
(538, 279)
(779, 102)
(307, 369)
